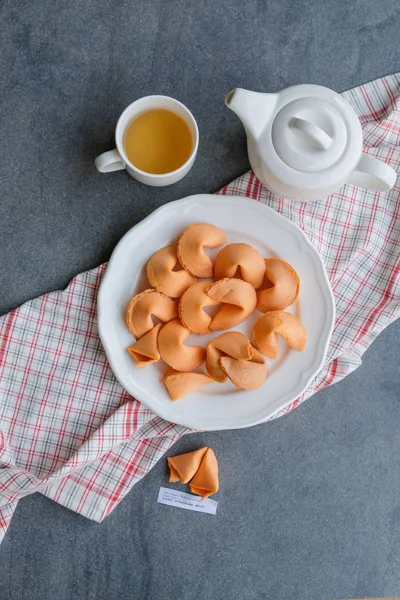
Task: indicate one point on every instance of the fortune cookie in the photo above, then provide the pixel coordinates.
(205, 482)
(183, 467)
(239, 301)
(145, 350)
(190, 248)
(172, 350)
(142, 308)
(285, 288)
(163, 278)
(243, 258)
(245, 374)
(233, 344)
(274, 323)
(191, 308)
(182, 384)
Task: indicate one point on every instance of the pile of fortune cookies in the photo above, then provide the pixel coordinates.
(184, 281)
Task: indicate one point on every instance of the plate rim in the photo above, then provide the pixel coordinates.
(205, 198)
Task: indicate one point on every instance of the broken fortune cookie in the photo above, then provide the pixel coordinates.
(205, 482)
(183, 467)
(200, 468)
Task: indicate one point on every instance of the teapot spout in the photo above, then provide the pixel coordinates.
(254, 109)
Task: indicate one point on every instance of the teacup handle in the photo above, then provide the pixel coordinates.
(109, 161)
(373, 174)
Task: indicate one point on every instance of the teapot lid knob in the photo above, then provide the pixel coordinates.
(309, 134)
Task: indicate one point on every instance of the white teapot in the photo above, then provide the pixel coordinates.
(305, 142)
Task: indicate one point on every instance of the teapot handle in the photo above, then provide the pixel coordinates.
(373, 174)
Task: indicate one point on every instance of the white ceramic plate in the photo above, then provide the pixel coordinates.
(217, 406)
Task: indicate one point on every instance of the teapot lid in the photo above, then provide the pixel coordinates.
(310, 134)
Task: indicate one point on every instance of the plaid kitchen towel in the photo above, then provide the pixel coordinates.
(68, 429)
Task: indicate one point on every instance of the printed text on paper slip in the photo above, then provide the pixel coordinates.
(187, 501)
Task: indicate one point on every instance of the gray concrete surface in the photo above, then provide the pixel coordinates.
(309, 505)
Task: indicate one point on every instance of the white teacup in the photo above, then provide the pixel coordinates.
(117, 160)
